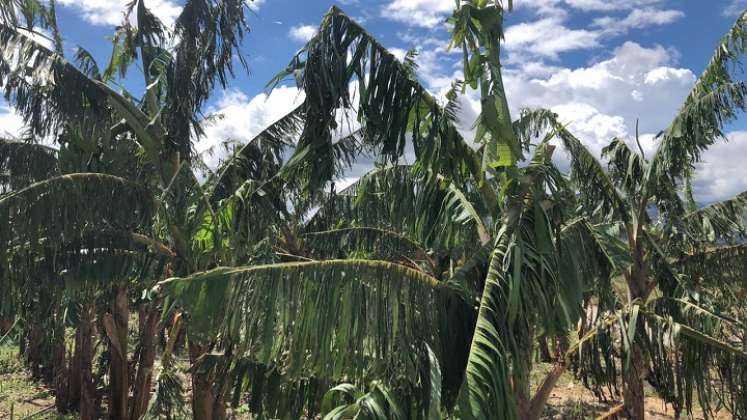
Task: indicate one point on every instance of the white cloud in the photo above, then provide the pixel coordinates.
(111, 12)
(603, 100)
(11, 124)
(638, 18)
(398, 53)
(720, 175)
(594, 4)
(425, 13)
(302, 33)
(635, 82)
(431, 13)
(600, 101)
(537, 68)
(243, 118)
(542, 7)
(735, 7)
(255, 4)
(609, 5)
(589, 123)
(547, 37)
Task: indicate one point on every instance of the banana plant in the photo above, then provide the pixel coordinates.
(436, 223)
(287, 289)
(83, 103)
(78, 103)
(674, 325)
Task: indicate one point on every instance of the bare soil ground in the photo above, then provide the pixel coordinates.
(22, 398)
(570, 400)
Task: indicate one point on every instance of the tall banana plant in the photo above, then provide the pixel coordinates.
(271, 309)
(535, 283)
(380, 284)
(321, 300)
(675, 326)
(82, 103)
(423, 209)
(76, 104)
(68, 260)
(495, 380)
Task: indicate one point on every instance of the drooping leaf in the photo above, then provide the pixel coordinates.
(722, 221)
(23, 163)
(334, 318)
(59, 209)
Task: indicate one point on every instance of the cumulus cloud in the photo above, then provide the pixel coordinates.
(594, 4)
(603, 100)
(399, 53)
(550, 33)
(240, 118)
(638, 18)
(607, 5)
(111, 12)
(255, 4)
(598, 102)
(11, 124)
(635, 82)
(535, 68)
(735, 7)
(425, 13)
(720, 174)
(548, 37)
(302, 33)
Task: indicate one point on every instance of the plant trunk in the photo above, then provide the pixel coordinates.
(520, 376)
(207, 404)
(143, 381)
(60, 371)
(116, 329)
(75, 367)
(633, 376)
(532, 410)
(49, 354)
(5, 325)
(33, 349)
(86, 332)
(633, 394)
(544, 349)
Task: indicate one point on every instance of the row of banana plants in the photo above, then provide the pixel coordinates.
(428, 289)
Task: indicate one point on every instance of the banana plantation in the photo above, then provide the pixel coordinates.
(135, 282)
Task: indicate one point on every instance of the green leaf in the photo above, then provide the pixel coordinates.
(358, 314)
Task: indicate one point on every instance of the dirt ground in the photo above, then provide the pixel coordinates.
(569, 400)
(21, 398)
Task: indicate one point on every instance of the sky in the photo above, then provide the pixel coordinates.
(601, 65)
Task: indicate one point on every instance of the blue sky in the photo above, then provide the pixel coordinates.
(600, 64)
